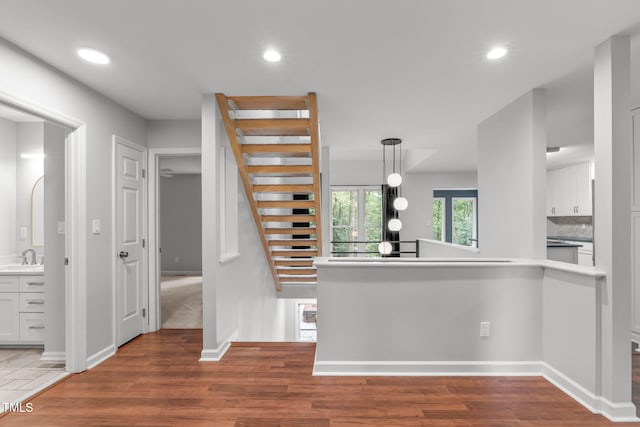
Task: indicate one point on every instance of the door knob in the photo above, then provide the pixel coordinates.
(123, 254)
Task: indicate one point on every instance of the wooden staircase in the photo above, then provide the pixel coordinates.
(275, 140)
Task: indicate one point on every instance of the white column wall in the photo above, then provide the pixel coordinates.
(612, 242)
(635, 227)
(54, 291)
(511, 179)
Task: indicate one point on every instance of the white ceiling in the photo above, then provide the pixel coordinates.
(413, 69)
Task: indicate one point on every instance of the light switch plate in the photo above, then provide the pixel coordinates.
(95, 226)
(60, 227)
(23, 232)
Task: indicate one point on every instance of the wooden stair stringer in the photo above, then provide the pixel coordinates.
(246, 181)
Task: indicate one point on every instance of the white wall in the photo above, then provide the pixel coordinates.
(174, 133)
(30, 138)
(511, 180)
(405, 315)
(247, 298)
(54, 252)
(417, 220)
(181, 224)
(25, 78)
(8, 191)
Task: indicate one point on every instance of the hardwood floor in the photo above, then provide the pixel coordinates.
(156, 380)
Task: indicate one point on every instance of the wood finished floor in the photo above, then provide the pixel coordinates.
(156, 380)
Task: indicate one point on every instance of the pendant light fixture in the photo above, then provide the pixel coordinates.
(393, 201)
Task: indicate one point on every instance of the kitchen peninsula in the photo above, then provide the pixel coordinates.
(427, 316)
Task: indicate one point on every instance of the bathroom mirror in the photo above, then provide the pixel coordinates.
(37, 213)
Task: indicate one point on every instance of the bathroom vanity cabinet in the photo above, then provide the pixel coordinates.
(22, 307)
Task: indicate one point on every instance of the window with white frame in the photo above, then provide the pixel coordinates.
(356, 221)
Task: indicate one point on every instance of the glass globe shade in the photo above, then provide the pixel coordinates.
(395, 224)
(384, 248)
(400, 203)
(394, 180)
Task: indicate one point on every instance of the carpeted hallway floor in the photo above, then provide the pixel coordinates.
(181, 302)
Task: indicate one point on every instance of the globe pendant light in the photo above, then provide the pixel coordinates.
(395, 224)
(394, 180)
(400, 204)
(393, 201)
(385, 248)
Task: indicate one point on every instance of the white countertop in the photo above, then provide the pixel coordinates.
(323, 262)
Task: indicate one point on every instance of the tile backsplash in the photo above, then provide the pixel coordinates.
(570, 226)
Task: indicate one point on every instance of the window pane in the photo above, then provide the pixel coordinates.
(344, 208)
(438, 207)
(373, 236)
(462, 221)
(373, 208)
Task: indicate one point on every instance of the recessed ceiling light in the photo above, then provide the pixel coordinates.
(93, 56)
(497, 52)
(272, 56)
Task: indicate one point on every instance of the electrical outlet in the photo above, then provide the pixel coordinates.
(485, 329)
(177, 260)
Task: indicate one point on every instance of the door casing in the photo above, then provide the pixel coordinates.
(153, 181)
(75, 227)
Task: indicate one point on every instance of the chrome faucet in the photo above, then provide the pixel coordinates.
(33, 257)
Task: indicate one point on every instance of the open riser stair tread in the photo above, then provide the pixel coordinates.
(268, 102)
(275, 140)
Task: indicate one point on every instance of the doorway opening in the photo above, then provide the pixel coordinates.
(37, 345)
(177, 264)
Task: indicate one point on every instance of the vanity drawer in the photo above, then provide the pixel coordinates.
(31, 283)
(32, 327)
(9, 283)
(32, 302)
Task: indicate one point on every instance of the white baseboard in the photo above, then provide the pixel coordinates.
(215, 355)
(420, 368)
(99, 357)
(182, 273)
(54, 356)
(619, 412)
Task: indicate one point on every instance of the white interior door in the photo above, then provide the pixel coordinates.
(129, 194)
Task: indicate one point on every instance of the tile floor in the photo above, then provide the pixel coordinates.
(22, 373)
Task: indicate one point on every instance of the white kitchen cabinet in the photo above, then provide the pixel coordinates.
(585, 252)
(22, 306)
(552, 188)
(569, 191)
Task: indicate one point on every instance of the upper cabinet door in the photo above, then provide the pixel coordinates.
(552, 207)
(583, 189)
(569, 191)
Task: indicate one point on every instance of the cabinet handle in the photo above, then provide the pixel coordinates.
(35, 283)
(36, 327)
(35, 301)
